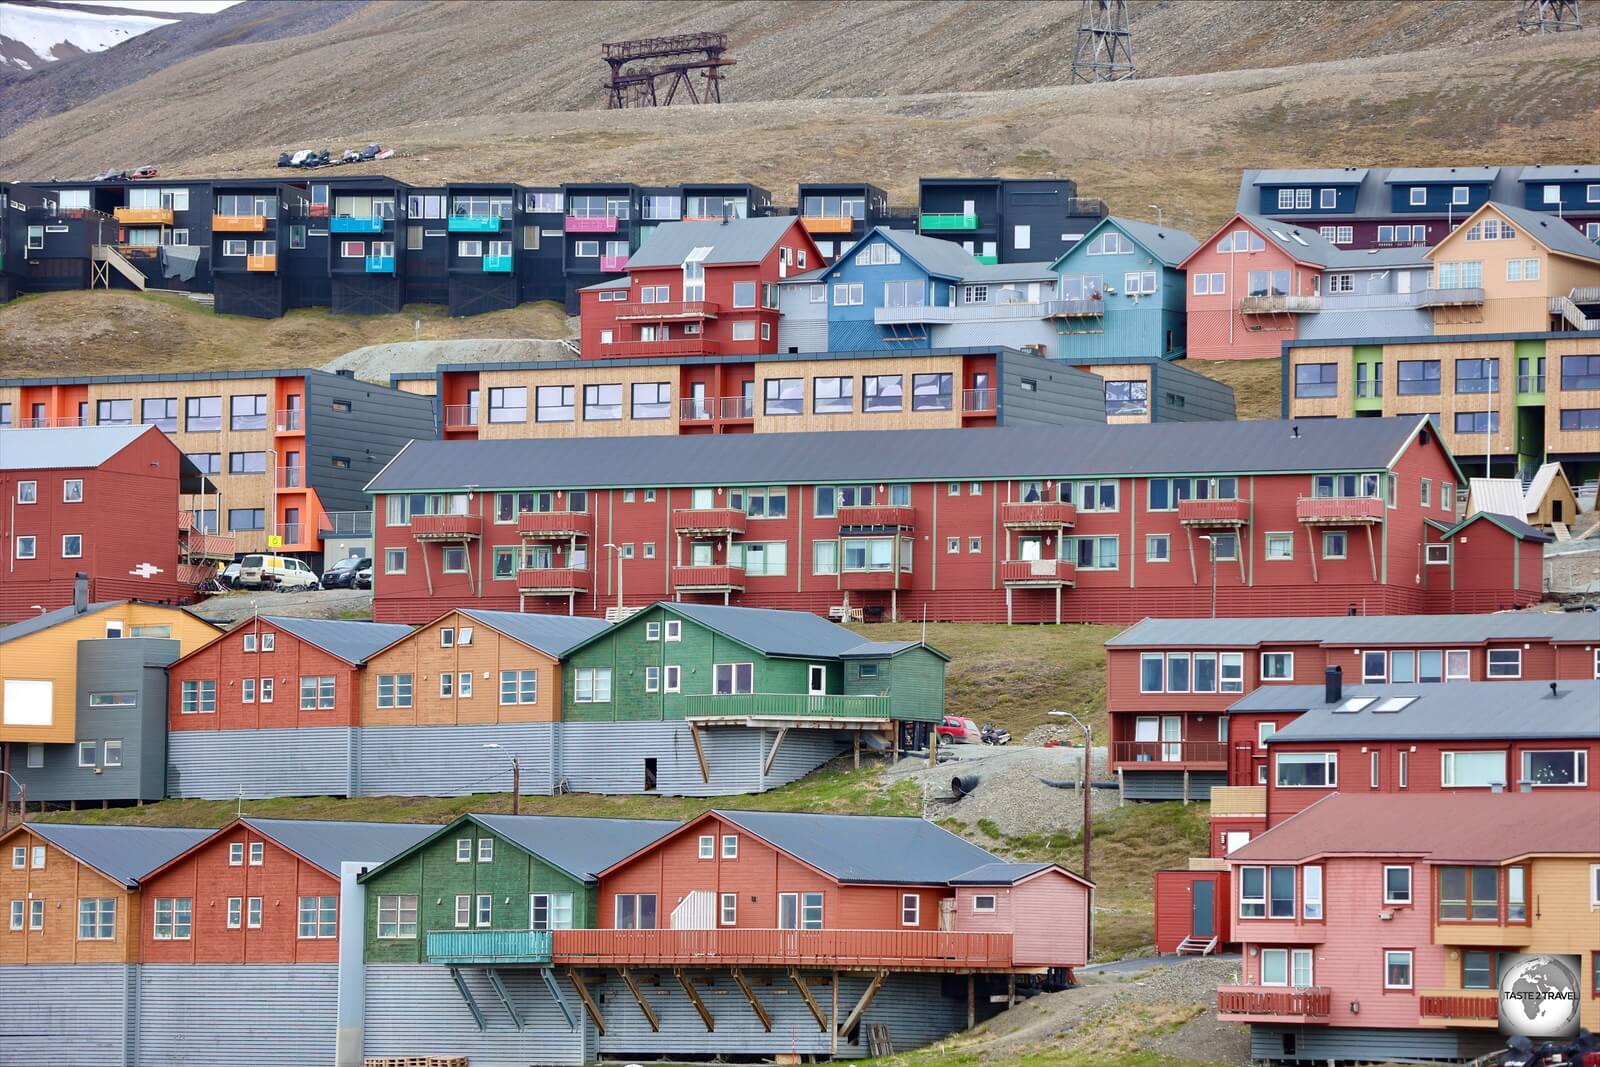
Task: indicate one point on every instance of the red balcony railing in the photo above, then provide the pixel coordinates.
(681, 346)
(446, 527)
(1214, 512)
(1176, 752)
(866, 581)
(1038, 572)
(554, 525)
(1246, 1003)
(197, 544)
(708, 520)
(1039, 515)
(930, 949)
(1479, 1007)
(668, 309)
(1339, 511)
(897, 515)
(716, 578)
(553, 580)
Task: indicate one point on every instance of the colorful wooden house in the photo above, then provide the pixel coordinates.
(1121, 293)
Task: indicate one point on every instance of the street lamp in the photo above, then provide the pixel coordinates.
(1083, 784)
(1211, 550)
(617, 550)
(5, 800)
(1159, 216)
(516, 779)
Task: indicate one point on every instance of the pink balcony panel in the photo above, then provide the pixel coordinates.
(591, 224)
(1256, 1004)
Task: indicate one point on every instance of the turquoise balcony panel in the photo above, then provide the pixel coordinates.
(380, 264)
(474, 224)
(497, 264)
(488, 946)
(351, 224)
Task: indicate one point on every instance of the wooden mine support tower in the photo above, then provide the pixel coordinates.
(636, 66)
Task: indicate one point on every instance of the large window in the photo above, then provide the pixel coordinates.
(1307, 770)
(555, 403)
(394, 690)
(591, 685)
(1469, 894)
(397, 916)
(1477, 422)
(509, 404)
(199, 697)
(203, 414)
(1580, 372)
(732, 678)
(784, 396)
(316, 692)
(97, 919)
(930, 392)
(1568, 766)
(173, 918)
(1252, 892)
(1091, 553)
(832, 396)
(799, 911)
(882, 392)
(1467, 770)
(247, 412)
(652, 400)
(602, 403)
(1418, 377)
(1127, 398)
(319, 918)
(635, 911)
(761, 558)
(1280, 892)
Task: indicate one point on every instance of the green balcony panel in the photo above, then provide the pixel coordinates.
(949, 222)
(489, 946)
(783, 706)
(991, 260)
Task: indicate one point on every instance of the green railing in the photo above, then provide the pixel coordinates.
(488, 946)
(949, 221)
(779, 705)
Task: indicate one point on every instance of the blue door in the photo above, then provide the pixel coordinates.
(1204, 910)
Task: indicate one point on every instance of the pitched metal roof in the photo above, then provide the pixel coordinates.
(1511, 524)
(1553, 232)
(1378, 258)
(57, 448)
(902, 455)
(35, 623)
(551, 634)
(1360, 630)
(946, 259)
(878, 649)
(1311, 246)
(1326, 176)
(350, 641)
(771, 631)
(328, 844)
(1374, 198)
(1502, 496)
(1458, 827)
(1439, 175)
(581, 847)
(734, 241)
(999, 873)
(1559, 172)
(1462, 711)
(123, 853)
(866, 848)
(1168, 245)
(1539, 485)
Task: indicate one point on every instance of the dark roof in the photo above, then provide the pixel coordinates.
(1439, 175)
(1359, 630)
(1457, 827)
(866, 848)
(735, 241)
(902, 455)
(1511, 524)
(771, 631)
(880, 649)
(551, 634)
(1168, 245)
(1327, 176)
(1552, 231)
(946, 259)
(581, 847)
(350, 641)
(58, 448)
(1452, 711)
(328, 844)
(999, 873)
(35, 623)
(124, 854)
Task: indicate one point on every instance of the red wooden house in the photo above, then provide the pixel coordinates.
(97, 500)
(1248, 283)
(698, 289)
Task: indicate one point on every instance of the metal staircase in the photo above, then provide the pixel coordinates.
(106, 259)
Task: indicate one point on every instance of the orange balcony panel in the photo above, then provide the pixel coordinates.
(553, 581)
(827, 223)
(715, 578)
(931, 950)
(1041, 572)
(261, 264)
(144, 216)
(878, 515)
(238, 223)
(446, 527)
(1038, 515)
(1214, 512)
(1339, 511)
(708, 521)
(1256, 1004)
(554, 525)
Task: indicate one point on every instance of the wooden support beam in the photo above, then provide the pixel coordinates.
(644, 1007)
(750, 995)
(972, 1001)
(588, 1002)
(700, 753)
(1372, 553)
(811, 1002)
(856, 749)
(776, 742)
(866, 1000)
(1311, 550)
(694, 998)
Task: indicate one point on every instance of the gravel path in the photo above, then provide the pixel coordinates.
(310, 604)
(1010, 798)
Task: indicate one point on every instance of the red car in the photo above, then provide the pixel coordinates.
(959, 731)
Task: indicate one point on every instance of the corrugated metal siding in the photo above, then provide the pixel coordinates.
(1061, 396)
(802, 336)
(208, 1015)
(1323, 1044)
(1357, 321)
(445, 761)
(64, 1016)
(1168, 785)
(802, 752)
(415, 1010)
(1204, 399)
(217, 765)
(378, 424)
(609, 758)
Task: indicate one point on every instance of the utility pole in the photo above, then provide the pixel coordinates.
(516, 785)
(1211, 550)
(1083, 784)
(5, 798)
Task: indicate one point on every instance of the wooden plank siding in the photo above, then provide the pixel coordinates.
(226, 662)
(61, 883)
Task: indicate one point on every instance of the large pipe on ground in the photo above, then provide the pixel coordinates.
(963, 784)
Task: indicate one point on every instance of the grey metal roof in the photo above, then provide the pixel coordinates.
(350, 641)
(35, 623)
(878, 649)
(1311, 247)
(1360, 630)
(1375, 258)
(901, 455)
(1460, 711)
(1374, 198)
(552, 634)
(60, 447)
(581, 847)
(866, 848)
(1168, 245)
(1558, 172)
(1326, 176)
(947, 259)
(122, 853)
(328, 844)
(610, 283)
(1439, 175)
(771, 631)
(999, 873)
(1509, 523)
(734, 241)
(1553, 232)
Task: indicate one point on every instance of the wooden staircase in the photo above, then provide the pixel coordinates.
(1195, 946)
(107, 258)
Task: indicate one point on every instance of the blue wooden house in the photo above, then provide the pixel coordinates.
(1120, 292)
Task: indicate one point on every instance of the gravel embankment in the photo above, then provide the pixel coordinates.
(375, 363)
(229, 608)
(1011, 797)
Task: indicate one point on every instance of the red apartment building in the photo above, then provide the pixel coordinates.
(698, 289)
(985, 525)
(101, 501)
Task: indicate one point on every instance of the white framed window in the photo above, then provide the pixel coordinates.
(983, 902)
(1472, 770)
(708, 846)
(319, 918)
(252, 913)
(88, 751)
(463, 911)
(1277, 666)
(235, 912)
(1397, 969)
(264, 689)
(397, 917)
(27, 547)
(728, 911)
(1264, 730)
(485, 850)
(1555, 767)
(174, 918)
(730, 846)
(674, 630)
(485, 909)
(36, 914)
(71, 546)
(672, 680)
(652, 631)
(1280, 546)
(1252, 892)
(18, 913)
(464, 688)
(247, 690)
(97, 919)
(19, 858)
(258, 853)
(1505, 663)
(1157, 548)
(236, 854)
(591, 685)
(910, 909)
(1594, 877)
(652, 679)
(1311, 892)
(1397, 884)
(1418, 196)
(1436, 555)
(463, 850)
(1307, 770)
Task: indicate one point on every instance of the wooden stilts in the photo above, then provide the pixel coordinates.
(856, 754)
(861, 1005)
(972, 1001)
(644, 1005)
(694, 998)
(750, 995)
(700, 753)
(588, 1002)
(811, 1002)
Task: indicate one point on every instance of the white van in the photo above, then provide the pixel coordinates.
(275, 572)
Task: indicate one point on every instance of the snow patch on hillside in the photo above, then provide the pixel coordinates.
(42, 30)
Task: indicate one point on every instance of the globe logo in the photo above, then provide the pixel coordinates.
(1539, 996)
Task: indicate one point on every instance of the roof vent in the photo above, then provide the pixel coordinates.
(1294, 432)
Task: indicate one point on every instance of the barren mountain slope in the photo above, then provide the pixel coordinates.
(396, 63)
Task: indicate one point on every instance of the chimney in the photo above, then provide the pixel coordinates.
(345, 372)
(1333, 684)
(80, 593)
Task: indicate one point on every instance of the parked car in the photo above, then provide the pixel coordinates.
(229, 576)
(959, 731)
(342, 574)
(363, 578)
(284, 573)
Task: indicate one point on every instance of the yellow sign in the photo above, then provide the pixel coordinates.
(274, 541)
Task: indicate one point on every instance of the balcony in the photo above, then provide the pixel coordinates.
(890, 316)
(948, 221)
(474, 224)
(668, 309)
(380, 264)
(1038, 515)
(497, 264)
(238, 223)
(554, 525)
(318, 211)
(195, 544)
(987, 259)
(977, 401)
(261, 264)
(827, 223)
(352, 224)
(446, 527)
(697, 409)
(1075, 308)
(613, 264)
(683, 346)
(1279, 303)
(291, 478)
(1214, 512)
(878, 516)
(346, 524)
(1339, 511)
(708, 521)
(933, 950)
(488, 946)
(780, 706)
(1256, 1004)
(870, 581)
(1442, 298)
(738, 407)
(716, 578)
(1044, 573)
(460, 416)
(290, 420)
(553, 581)
(590, 224)
(1458, 1007)
(143, 216)
(1158, 755)
(1239, 801)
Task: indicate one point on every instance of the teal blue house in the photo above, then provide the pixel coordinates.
(1121, 293)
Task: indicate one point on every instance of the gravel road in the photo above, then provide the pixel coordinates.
(1011, 798)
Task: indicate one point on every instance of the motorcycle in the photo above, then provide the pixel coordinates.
(995, 735)
(1521, 1052)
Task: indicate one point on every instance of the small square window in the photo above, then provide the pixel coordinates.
(258, 853)
(652, 631)
(674, 630)
(952, 544)
(708, 847)
(236, 854)
(730, 846)
(974, 545)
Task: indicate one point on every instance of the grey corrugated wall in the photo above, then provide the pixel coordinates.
(605, 757)
(64, 1015)
(415, 1010)
(1204, 400)
(445, 761)
(217, 764)
(1061, 395)
(1168, 785)
(802, 752)
(378, 425)
(802, 335)
(1322, 1044)
(219, 1015)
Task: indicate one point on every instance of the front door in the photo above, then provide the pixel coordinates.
(1201, 924)
(1171, 738)
(980, 392)
(1555, 511)
(1030, 548)
(817, 679)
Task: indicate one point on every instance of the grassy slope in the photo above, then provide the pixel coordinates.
(1257, 384)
